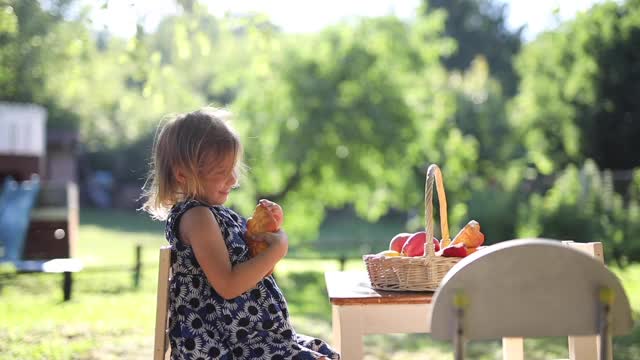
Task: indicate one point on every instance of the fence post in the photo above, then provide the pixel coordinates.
(343, 261)
(138, 267)
(67, 282)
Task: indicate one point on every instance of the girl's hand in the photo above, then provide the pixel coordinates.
(274, 209)
(278, 241)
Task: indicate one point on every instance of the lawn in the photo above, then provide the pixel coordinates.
(110, 319)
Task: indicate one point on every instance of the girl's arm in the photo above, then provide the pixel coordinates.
(199, 228)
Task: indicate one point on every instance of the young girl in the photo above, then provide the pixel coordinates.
(222, 303)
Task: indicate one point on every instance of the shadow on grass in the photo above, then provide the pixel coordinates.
(111, 280)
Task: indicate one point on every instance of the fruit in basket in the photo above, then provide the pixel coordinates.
(415, 244)
(436, 245)
(454, 250)
(472, 250)
(469, 235)
(389, 253)
(398, 241)
(267, 217)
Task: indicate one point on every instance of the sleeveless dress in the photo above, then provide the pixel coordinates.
(204, 325)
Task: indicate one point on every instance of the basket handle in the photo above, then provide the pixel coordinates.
(435, 175)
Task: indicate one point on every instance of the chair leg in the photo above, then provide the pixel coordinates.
(583, 347)
(512, 348)
(458, 338)
(609, 344)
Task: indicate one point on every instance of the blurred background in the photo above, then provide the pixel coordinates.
(531, 109)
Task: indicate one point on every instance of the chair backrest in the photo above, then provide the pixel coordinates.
(528, 288)
(593, 249)
(580, 347)
(16, 201)
(161, 343)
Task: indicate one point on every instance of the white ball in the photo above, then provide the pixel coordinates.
(59, 234)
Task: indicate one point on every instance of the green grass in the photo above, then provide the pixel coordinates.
(108, 239)
(109, 319)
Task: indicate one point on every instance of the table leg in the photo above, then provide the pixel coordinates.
(348, 331)
(512, 348)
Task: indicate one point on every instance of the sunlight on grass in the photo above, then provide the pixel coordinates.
(630, 277)
(44, 328)
(115, 247)
(110, 238)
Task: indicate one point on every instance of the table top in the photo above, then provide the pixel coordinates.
(354, 288)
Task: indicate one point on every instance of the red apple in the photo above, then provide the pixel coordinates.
(398, 241)
(415, 244)
(455, 250)
(436, 245)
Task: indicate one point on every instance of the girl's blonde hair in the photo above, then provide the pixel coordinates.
(188, 142)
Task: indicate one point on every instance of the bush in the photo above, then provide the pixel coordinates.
(582, 205)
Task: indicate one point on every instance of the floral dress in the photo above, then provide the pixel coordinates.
(254, 325)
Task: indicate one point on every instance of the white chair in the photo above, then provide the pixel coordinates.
(529, 288)
(580, 347)
(161, 341)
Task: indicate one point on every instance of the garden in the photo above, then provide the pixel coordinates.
(109, 318)
(536, 137)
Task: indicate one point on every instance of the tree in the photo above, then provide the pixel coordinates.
(479, 28)
(482, 77)
(578, 95)
(30, 50)
(351, 116)
(481, 115)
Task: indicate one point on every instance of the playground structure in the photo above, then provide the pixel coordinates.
(39, 200)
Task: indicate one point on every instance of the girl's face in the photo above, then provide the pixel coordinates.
(218, 180)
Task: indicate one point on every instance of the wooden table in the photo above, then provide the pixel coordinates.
(358, 310)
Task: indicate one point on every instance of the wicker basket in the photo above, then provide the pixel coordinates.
(419, 273)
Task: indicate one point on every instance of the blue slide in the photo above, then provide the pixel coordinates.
(16, 201)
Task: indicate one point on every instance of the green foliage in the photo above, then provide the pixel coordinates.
(481, 79)
(493, 208)
(578, 93)
(22, 50)
(479, 28)
(135, 90)
(352, 116)
(487, 190)
(8, 20)
(347, 117)
(583, 206)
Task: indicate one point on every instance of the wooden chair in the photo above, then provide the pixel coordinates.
(530, 288)
(161, 346)
(580, 347)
